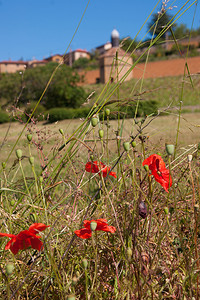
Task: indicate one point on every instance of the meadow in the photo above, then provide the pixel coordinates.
(96, 208)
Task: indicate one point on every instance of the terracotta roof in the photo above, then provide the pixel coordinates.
(80, 50)
(112, 52)
(20, 62)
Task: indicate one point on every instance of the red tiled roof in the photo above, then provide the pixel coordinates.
(21, 62)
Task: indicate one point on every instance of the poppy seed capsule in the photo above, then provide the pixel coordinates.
(93, 226)
(142, 210)
(71, 297)
(126, 146)
(9, 268)
(29, 137)
(166, 210)
(84, 263)
(3, 165)
(146, 167)
(101, 133)
(19, 153)
(169, 149)
(133, 144)
(107, 111)
(12, 202)
(61, 131)
(129, 253)
(31, 160)
(94, 121)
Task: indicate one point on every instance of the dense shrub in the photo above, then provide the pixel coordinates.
(58, 114)
(4, 117)
(38, 113)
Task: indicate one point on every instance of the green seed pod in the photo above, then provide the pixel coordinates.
(146, 167)
(101, 133)
(19, 153)
(29, 137)
(94, 121)
(166, 210)
(84, 263)
(41, 179)
(74, 280)
(12, 202)
(61, 131)
(33, 217)
(93, 225)
(9, 268)
(31, 160)
(169, 149)
(126, 146)
(3, 165)
(133, 144)
(129, 253)
(107, 112)
(71, 297)
(92, 157)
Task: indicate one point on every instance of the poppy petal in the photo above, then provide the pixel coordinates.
(36, 244)
(34, 228)
(83, 233)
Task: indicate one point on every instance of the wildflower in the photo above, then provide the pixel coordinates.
(158, 170)
(25, 239)
(97, 167)
(86, 232)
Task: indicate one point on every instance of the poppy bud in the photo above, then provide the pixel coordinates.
(41, 179)
(101, 133)
(142, 210)
(107, 111)
(169, 149)
(9, 268)
(31, 160)
(19, 153)
(61, 131)
(84, 263)
(126, 146)
(29, 137)
(12, 202)
(146, 167)
(166, 210)
(3, 165)
(129, 253)
(92, 157)
(93, 226)
(94, 121)
(71, 297)
(33, 217)
(74, 280)
(189, 157)
(133, 144)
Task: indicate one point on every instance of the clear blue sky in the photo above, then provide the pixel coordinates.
(39, 28)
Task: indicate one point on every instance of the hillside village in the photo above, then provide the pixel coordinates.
(107, 53)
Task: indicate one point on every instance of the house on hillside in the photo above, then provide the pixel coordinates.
(11, 66)
(55, 58)
(103, 48)
(114, 62)
(72, 56)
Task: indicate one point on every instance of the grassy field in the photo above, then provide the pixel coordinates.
(166, 91)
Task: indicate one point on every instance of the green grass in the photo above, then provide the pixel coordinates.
(166, 90)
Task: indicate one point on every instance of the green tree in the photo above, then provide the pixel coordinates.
(159, 22)
(62, 92)
(128, 44)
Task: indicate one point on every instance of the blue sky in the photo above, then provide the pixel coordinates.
(38, 28)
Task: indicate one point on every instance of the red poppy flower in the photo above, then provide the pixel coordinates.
(102, 225)
(97, 167)
(158, 170)
(25, 239)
